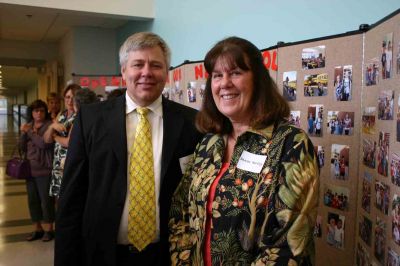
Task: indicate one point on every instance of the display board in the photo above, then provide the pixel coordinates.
(322, 81)
(378, 221)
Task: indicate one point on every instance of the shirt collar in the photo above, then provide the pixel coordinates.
(155, 107)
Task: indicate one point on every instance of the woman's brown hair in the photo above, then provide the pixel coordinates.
(269, 106)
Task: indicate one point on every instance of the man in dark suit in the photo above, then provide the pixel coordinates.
(95, 204)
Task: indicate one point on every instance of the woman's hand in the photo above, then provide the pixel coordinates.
(58, 127)
(25, 127)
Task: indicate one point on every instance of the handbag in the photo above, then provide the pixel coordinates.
(18, 167)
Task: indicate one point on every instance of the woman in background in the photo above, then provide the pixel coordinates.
(250, 194)
(54, 105)
(40, 156)
(58, 133)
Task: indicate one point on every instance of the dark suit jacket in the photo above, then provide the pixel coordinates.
(95, 180)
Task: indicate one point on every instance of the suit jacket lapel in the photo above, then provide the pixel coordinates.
(172, 127)
(115, 120)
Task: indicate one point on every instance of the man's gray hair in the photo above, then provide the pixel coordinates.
(140, 41)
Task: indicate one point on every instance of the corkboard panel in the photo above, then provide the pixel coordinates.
(341, 51)
(373, 50)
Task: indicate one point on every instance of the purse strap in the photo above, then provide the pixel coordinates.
(20, 152)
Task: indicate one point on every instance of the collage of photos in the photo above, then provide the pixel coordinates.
(319, 150)
(366, 192)
(335, 230)
(382, 201)
(365, 229)
(396, 219)
(368, 120)
(340, 123)
(380, 240)
(385, 105)
(395, 169)
(372, 72)
(336, 197)
(290, 85)
(387, 56)
(362, 256)
(369, 151)
(392, 258)
(313, 57)
(340, 161)
(315, 120)
(294, 118)
(383, 153)
(316, 85)
(343, 80)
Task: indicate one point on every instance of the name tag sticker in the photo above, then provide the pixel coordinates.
(251, 162)
(184, 162)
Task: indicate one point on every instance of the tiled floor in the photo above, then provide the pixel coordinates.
(15, 223)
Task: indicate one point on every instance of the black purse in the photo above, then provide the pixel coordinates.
(18, 167)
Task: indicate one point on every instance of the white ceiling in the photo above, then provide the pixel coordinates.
(24, 23)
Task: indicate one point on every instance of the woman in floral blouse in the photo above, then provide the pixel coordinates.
(58, 133)
(250, 194)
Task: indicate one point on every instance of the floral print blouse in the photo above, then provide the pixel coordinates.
(60, 153)
(263, 217)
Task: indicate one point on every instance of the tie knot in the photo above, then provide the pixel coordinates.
(142, 110)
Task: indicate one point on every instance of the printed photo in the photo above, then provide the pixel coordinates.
(369, 151)
(362, 256)
(382, 192)
(290, 85)
(392, 258)
(398, 58)
(343, 80)
(383, 153)
(294, 118)
(340, 161)
(335, 230)
(365, 230)
(315, 119)
(166, 92)
(336, 197)
(387, 56)
(395, 169)
(366, 192)
(201, 91)
(313, 57)
(319, 150)
(396, 219)
(398, 120)
(385, 105)
(317, 227)
(340, 123)
(372, 72)
(191, 92)
(176, 93)
(380, 240)
(368, 120)
(316, 85)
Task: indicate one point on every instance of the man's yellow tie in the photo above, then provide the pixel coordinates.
(142, 208)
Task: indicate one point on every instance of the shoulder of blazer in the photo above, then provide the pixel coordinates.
(174, 107)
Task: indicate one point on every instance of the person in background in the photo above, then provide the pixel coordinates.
(58, 133)
(240, 201)
(125, 158)
(54, 105)
(40, 156)
(116, 93)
